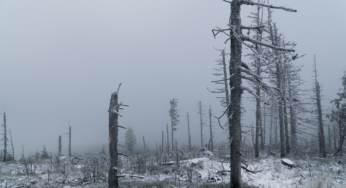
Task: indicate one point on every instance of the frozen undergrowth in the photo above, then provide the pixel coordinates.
(197, 172)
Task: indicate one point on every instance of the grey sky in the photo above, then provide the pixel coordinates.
(61, 60)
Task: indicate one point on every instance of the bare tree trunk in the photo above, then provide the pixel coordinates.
(329, 140)
(258, 123)
(285, 113)
(263, 132)
(201, 120)
(144, 145)
(271, 125)
(12, 146)
(167, 139)
(188, 129)
(59, 146)
(69, 142)
(211, 131)
(5, 139)
(22, 151)
(162, 144)
(334, 137)
(276, 42)
(319, 111)
(292, 117)
(258, 89)
(234, 114)
(276, 125)
(172, 131)
(271, 120)
(113, 141)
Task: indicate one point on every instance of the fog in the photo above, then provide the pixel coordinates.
(61, 60)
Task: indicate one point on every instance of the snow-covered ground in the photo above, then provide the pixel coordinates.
(271, 173)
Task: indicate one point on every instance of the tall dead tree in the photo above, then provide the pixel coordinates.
(167, 138)
(162, 143)
(12, 145)
(263, 127)
(317, 90)
(257, 64)
(201, 122)
(211, 141)
(285, 109)
(113, 127)
(173, 113)
(59, 147)
(69, 141)
(222, 71)
(5, 139)
(236, 64)
(144, 145)
(188, 130)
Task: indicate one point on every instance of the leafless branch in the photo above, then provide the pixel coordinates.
(251, 92)
(258, 28)
(218, 118)
(118, 88)
(248, 2)
(245, 38)
(219, 30)
(121, 127)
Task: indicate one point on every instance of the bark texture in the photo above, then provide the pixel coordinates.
(113, 141)
(234, 113)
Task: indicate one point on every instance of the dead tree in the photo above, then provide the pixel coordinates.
(173, 113)
(12, 145)
(59, 146)
(236, 70)
(222, 71)
(5, 139)
(162, 143)
(113, 127)
(223, 81)
(167, 138)
(317, 90)
(211, 141)
(69, 140)
(201, 123)
(144, 145)
(257, 64)
(188, 129)
(285, 108)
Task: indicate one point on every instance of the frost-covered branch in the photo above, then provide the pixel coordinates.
(219, 30)
(249, 2)
(258, 28)
(245, 38)
(251, 92)
(249, 72)
(116, 112)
